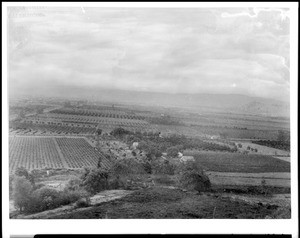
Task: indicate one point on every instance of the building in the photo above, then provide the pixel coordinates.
(185, 159)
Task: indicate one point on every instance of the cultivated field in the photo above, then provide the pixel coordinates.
(33, 153)
(253, 179)
(264, 150)
(51, 152)
(236, 162)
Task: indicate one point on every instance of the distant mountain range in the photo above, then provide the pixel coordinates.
(225, 102)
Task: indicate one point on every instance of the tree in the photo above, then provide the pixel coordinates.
(152, 149)
(22, 190)
(23, 172)
(95, 180)
(73, 184)
(98, 131)
(119, 132)
(45, 198)
(11, 184)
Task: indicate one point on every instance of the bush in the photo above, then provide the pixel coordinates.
(82, 203)
(173, 151)
(11, 184)
(73, 184)
(147, 167)
(22, 190)
(68, 197)
(164, 167)
(119, 132)
(122, 170)
(95, 180)
(43, 199)
(47, 198)
(264, 188)
(38, 186)
(117, 183)
(126, 167)
(192, 177)
(22, 172)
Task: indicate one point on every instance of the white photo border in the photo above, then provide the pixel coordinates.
(154, 226)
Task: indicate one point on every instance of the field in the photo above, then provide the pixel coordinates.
(58, 141)
(236, 162)
(33, 153)
(19, 128)
(83, 120)
(253, 179)
(51, 152)
(261, 149)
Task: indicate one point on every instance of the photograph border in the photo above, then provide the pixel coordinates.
(156, 226)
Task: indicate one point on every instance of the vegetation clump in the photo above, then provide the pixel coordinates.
(192, 177)
(30, 200)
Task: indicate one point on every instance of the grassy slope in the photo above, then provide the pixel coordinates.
(236, 162)
(169, 203)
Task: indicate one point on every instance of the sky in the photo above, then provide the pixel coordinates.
(172, 50)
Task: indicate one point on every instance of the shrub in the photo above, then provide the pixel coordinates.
(38, 186)
(43, 199)
(22, 190)
(119, 132)
(47, 198)
(119, 168)
(122, 170)
(95, 181)
(164, 167)
(82, 203)
(68, 197)
(11, 184)
(147, 167)
(173, 151)
(195, 180)
(73, 184)
(117, 183)
(192, 177)
(22, 172)
(264, 188)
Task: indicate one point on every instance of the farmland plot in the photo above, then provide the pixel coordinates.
(264, 150)
(50, 152)
(271, 179)
(78, 153)
(33, 153)
(236, 162)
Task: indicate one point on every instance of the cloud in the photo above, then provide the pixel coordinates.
(170, 50)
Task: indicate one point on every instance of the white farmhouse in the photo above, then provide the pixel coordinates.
(185, 159)
(135, 145)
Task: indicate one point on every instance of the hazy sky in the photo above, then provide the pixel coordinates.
(224, 50)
